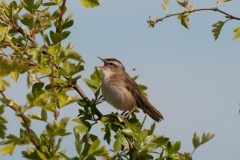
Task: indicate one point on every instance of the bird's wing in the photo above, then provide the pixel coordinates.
(141, 101)
(133, 88)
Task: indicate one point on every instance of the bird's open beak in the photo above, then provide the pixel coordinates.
(104, 61)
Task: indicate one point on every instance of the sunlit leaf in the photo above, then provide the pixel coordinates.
(237, 33)
(221, 1)
(8, 149)
(165, 5)
(14, 75)
(90, 3)
(183, 4)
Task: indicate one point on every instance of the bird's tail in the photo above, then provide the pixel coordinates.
(152, 112)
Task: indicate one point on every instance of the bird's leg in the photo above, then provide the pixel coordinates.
(129, 113)
(124, 112)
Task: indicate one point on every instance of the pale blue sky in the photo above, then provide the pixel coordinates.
(193, 79)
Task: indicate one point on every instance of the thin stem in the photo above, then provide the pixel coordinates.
(195, 10)
(61, 15)
(25, 122)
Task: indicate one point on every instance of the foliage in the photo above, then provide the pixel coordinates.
(60, 67)
(189, 9)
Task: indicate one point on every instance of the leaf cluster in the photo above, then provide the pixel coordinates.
(52, 70)
(189, 9)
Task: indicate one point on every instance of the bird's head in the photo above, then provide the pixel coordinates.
(111, 65)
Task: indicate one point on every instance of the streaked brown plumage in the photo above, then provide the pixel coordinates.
(122, 92)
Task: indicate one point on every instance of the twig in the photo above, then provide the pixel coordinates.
(25, 122)
(61, 15)
(195, 10)
(85, 98)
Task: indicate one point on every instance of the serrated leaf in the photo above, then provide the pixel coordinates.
(184, 20)
(217, 28)
(165, 5)
(221, 1)
(91, 84)
(237, 33)
(90, 3)
(8, 149)
(206, 138)
(176, 147)
(183, 4)
(94, 147)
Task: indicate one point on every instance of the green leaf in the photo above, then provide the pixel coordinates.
(221, 1)
(67, 25)
(91, 84)
(94, 147)
(184, 20)
(206, 138)
(161, 140)
(35, 116)
(183, 4)
(3, 84)
(165, 5)
(44, 115)
(152, 128)
(107, 136)
(117, 145)
(195, 140)
(237, 33)
(217, 28)
(90, 3)
(49, 3)
(41, 155)
(122, 139)
(8, 149)
(37, 89)
(128, 131)
(57, 37)
(83, 127)
(134, 78)
(187, 156)
(14, 75)
(176, 147)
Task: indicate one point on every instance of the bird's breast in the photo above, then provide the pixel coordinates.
(117, 95)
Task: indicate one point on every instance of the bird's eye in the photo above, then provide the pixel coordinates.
(110, 64)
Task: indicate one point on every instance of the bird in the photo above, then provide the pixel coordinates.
(122, 92)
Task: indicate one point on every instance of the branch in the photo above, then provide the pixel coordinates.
(82, 94)
(154, 21)
(25, 122)
(76, 87)
(61, 15)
